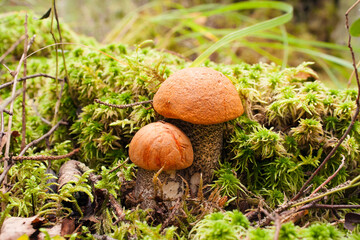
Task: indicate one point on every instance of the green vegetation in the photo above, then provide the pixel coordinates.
(291, 122)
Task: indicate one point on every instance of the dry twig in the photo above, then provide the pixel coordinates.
(45, 158)
(354, 118)
(42, 137)
(37, 158)
(23, 115)
(11, 48)
(277, 227)
(13, 94)
(6, 170)
(28, 77)
(330, 177)
(328, 206)
(119, 212)
(122, 106)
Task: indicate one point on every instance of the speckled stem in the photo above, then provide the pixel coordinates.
(207, 141)
(207, 144)
(172, 187)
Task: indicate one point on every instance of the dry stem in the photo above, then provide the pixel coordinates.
(23, 115)
(7, 148)
(37, 158)
(28, 77)
(119, 212)
(122, 106)
(41, 138)
(44, 157)
(12, 47)
(330, 177)
(354, 118)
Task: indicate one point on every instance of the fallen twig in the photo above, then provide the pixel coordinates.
(41, 138)
(12, 73)
(277, 227)
(117, 208)
(6, 170)
(46, 157)
(114, 204)
(331, 177)
(328, 206)
(122, 106)
(23, 105)
(7, 112)
(13, 94)
(12, 47)
(28, 77)
(37, 158)
(354, 118)
(316, 196)
(120, 165)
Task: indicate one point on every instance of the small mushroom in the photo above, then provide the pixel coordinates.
(198, 101)
(158, 147)
(161, 145)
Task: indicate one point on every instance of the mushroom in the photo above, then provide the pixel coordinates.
(158, 149)
(198, 101)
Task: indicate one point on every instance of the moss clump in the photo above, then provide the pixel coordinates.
(12, 28)
(291, 123)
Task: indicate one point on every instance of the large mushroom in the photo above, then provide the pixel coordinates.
(198, 101)
(159, 149)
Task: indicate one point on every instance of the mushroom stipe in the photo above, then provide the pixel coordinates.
(198, 101)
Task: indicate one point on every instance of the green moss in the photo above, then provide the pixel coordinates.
(12, 28)
(290, 124)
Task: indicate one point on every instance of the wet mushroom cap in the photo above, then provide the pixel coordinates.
(198, 95)
(161, 144)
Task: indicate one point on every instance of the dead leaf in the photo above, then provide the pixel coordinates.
(308, 75)
(16, 227)
(351, 219)
(14, 135)
(46, 15)
(67, 226)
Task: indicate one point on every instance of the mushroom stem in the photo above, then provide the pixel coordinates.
(172, 187)
(207, 141)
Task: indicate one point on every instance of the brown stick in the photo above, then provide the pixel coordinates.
(42, 137)
(122, 106)
(117, 208)
(7, 112)
(13, 95)
(2, 133)
(37, 158)
(28, 77)
(12, 47)
(23, 115)
(44, 157)
(114, 204)
(330, 178)
(328, 206)
(12, 73)
(354, 118)
(277, 227)
(6, 170)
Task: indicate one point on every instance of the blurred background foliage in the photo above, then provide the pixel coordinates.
(189, 27)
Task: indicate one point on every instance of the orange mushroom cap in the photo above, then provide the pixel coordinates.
(198, 95)
(161, 144)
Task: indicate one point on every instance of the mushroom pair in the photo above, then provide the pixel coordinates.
(198, 101)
